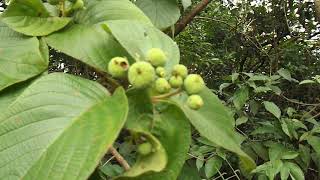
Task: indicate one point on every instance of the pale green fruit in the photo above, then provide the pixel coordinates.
(195, 102)
(145, 148)
(162, 85)
(193, 84)
(118, 67)
(141, 74)
(176, 81)
(161, 72)
(79, 4)
(180, 70)
(156, 57)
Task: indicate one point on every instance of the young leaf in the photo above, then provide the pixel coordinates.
(272, 108)
(61, 123)
(21, 57)
(156, 161)
(30, 17)
(162, 13)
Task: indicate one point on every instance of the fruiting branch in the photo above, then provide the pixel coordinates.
(182, 24)
(119, 158)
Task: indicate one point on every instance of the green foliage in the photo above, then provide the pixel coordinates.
(60, 126)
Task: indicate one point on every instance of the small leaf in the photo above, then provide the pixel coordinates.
(261, 89)
(241, 120)
(259, 78)
(234, 77)
(240, 97)
(307, 82)
(286, 75)
(212, 166)
(314, 141)
(295, 171)
(199, 162)
(275, 89)
(223, 86)
(272, 108)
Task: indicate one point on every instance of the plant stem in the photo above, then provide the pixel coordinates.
(167, 95)
(62, 8)
(119, 158)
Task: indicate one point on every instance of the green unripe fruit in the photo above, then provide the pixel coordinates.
(193, 84)
(195, 102)
(180, 70)
(176, 81)
(118, 67)
(53, 2)
(141, 74)
(145, 148)
(162, 85)
(156, 57)
(79, 4)
(161, 72)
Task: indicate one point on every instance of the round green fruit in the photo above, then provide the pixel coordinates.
(145, 148)
(118, 67)
(141, 74)
(53, 2)
(79, 4)
(161, 72)
(193, 84)
(162, 85)
(156, 57)
(195, 102)
(180, 70)
(176, 81)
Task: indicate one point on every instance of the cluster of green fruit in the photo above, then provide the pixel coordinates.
(75, 4)
(151, 73)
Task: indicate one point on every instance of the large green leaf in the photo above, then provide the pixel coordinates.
(138, 39)
(30, 17)
(86, 40)
(214, 122)
(59, 128)
(140, 110)
(173, 131)
(163, 14)
(21, 57)
(10, 94)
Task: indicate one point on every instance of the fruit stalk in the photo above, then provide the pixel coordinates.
(163, 96)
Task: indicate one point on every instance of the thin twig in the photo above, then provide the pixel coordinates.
(119, 158)
(297, 102)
